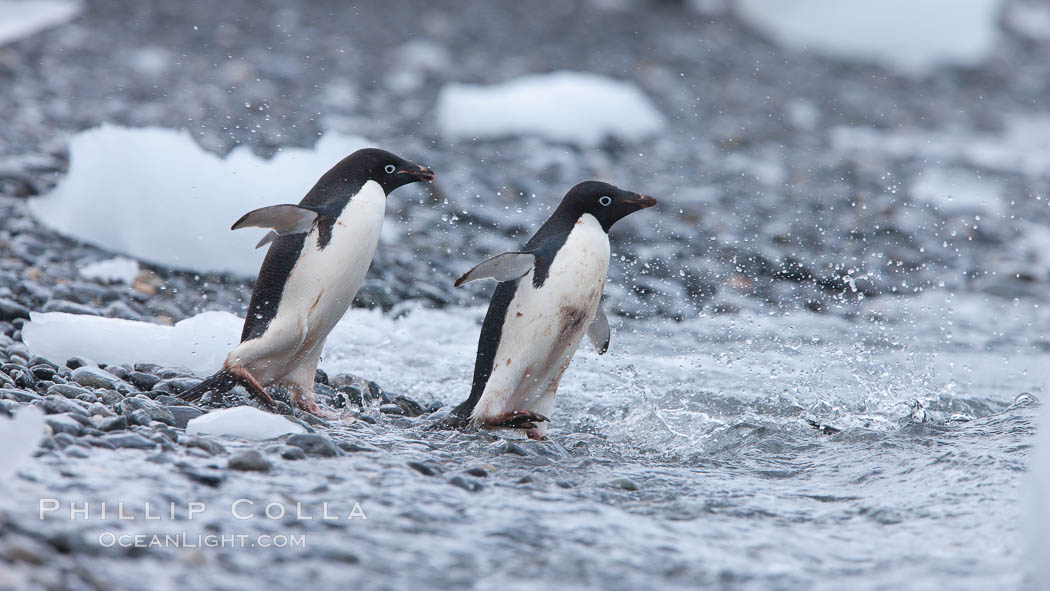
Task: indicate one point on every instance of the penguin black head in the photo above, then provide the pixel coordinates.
(372, 164)
(607, 203)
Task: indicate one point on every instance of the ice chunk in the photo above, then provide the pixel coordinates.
(155, 195)
(912, 36)
(243, 421)
(19, 438)
(563, 106)
(115, 270)
(199, 344)
(22, 18)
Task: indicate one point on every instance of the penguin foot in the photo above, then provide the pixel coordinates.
(246, 379)
(516, 419)
(306, 402)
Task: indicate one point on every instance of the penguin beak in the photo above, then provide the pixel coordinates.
(642, 201)
(420, 173)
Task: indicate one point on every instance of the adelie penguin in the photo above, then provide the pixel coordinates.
(321, 249)
(548, 296)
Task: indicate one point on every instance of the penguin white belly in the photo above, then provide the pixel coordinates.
(543, 327)
(317, 293)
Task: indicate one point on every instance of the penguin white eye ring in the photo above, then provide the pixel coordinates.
(605, 200)
(389, 168)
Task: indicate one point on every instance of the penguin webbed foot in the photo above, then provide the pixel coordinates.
(246, 379)
(516, 419)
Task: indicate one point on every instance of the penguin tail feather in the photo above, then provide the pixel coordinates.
(220, 382)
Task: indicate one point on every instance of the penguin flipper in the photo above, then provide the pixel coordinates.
(502, 267)
(268, 238)
(282, 219)
(598, 332)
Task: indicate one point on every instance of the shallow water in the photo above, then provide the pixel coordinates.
(683, 458)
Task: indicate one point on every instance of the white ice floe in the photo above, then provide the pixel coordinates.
(905, 34)
(19, 437)
(563, 106)
(243, 421)
(22, 18)
(154, 194)
(199, 344)
(115, 270)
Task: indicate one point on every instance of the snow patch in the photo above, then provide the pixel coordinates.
(912, 36)
(154, 194)
(198, 344)
(19, 438)
(22, 18)
(243, 421)
(575, 107)
(115, 270)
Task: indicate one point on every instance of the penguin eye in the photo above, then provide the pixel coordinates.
(605, 200)
(390, 168)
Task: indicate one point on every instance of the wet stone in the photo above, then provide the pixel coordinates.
(118, 423)
(175, 385)
(77, 451)
(63, 440)
(10, 309)
(624, 484)
(94, 377)
(155, 411)
(211, 447)
(64, 424)
(289, 452)
(425, 468)
(314, 444)
(129, 440)
(67, 390)
(183, 415)
(143, 381)
(19, 395)
(249, 461)
(43, 372)
(138, 417)
(77, 362)
(467, 484)
(54, 405)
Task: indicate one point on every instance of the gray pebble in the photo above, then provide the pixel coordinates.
(70, 308)
(143, 381)
(138, 417)
(77, 451)
(624, 483)
(184, 414)
(425, 468)
(10, 309)
(155, 411)
(117, 423)
(64, 424)
(94, 377)
(289, 452)
(175, 385)
(19, 395)
(314, 444)
(129, 440)
(54, 405)
(213, 448)
(64, 440)
(467, 484)
(249, 460)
